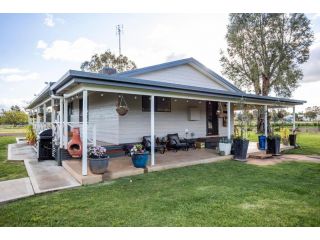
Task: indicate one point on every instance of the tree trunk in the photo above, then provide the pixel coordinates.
(260, 118)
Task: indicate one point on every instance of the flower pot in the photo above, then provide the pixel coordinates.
(40, 114)
(293, 139)
(98, 165)
(140, 160)
(56, 108)
(122, 110)
(273, 145)
(240, 149)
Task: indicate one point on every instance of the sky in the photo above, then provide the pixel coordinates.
(39, 48)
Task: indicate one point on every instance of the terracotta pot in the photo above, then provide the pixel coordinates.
(75, 144)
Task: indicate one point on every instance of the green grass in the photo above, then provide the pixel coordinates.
(226, 193)
(309, 144)
(9, 170)
(7, 129)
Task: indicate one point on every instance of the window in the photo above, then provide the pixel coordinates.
(162, 104)
(80, 110)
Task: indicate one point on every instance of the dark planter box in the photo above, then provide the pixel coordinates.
(140, 160)
(98, 165)
(273, 145)
(240, 148)
(293, 139)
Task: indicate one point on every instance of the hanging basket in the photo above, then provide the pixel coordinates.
(122, 108)
(40, 114)
(56, 108)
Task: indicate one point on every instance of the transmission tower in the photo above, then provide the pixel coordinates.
(119, 31)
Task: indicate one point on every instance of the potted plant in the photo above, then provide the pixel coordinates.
(30, 135)
(225, 146)
(139, 156)
(240, 146)
(293, 138)
(273, 144)
(240, 142)
(285, 136)
(98, 159)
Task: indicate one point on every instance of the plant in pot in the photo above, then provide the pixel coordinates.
(284, 133)
(240, 142)
(98, 159)
(30, 135)
(273, 144)
(139, 156)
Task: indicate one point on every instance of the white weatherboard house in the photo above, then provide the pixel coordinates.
(162, 99)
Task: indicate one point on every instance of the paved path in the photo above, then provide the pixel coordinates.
(46, 176)
(15, 189)
(284, 158)
(20, 152)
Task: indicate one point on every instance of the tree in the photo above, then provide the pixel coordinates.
(14, 117)
(107, 59)
(311, 114)
(15, 108)
(265, 51)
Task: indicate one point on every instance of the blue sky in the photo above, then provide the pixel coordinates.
(38, 48)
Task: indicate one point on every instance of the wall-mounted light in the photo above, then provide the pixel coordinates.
(187, 101)
(101, 94)
(135, 97)
(175, 100)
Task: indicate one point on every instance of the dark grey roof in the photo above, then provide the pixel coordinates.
(127, 79)
(118, 80)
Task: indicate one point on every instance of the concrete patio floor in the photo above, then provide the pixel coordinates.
(122, 166)
(20, 152)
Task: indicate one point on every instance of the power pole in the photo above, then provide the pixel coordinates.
(119, 31)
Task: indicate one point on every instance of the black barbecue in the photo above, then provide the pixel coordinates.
(44, 145)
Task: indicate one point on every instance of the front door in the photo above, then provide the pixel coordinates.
(212, 118)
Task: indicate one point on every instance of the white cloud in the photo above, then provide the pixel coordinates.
(78, 51)
(50, 20)
(4, 71)
(13, 75)
(42, 44)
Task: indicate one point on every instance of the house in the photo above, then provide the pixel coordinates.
(172, 97)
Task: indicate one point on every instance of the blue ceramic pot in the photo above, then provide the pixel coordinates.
(140, 160)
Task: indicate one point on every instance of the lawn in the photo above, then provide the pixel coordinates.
(9, 170)
(7, 129)
(226, 193)
(309, 143)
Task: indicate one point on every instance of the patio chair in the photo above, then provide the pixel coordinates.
(146, 142)
(176, 143)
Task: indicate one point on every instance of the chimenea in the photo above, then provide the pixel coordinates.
(75, 144)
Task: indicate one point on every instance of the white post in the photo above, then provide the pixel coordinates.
(65, 123)
(266, 120)
(152, 130)
(229, 120)
(61, 123)
(85, 134)
(44, 114)
(294, 118)
(53, 112)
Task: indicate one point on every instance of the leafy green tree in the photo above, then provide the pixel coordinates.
(14, 117)
(265, 51)
(107, 59)
(311, 114)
